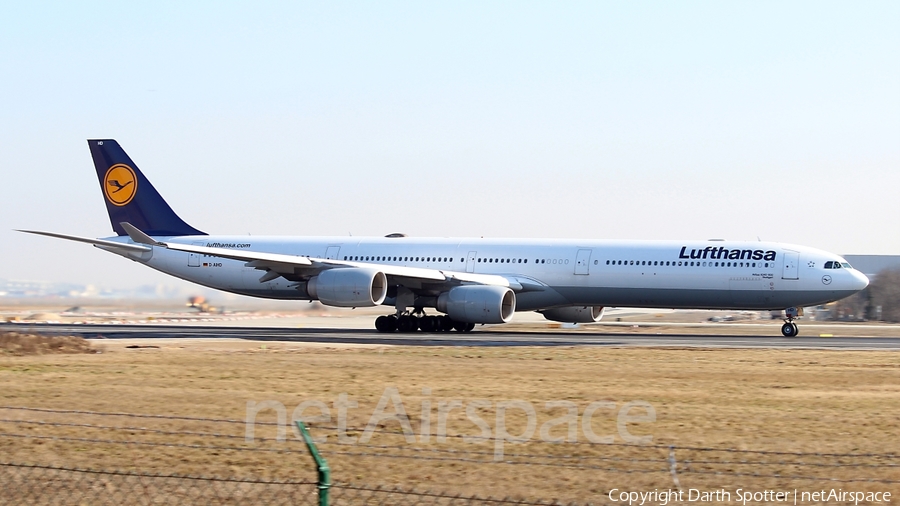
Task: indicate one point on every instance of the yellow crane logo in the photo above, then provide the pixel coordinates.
(120, 184)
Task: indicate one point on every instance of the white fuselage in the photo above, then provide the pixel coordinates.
(653, 274)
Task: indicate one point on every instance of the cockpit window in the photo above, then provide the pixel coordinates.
(846, 265)
(829, 265)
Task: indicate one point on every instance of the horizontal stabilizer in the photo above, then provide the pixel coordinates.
(96, 242)
(138, 236)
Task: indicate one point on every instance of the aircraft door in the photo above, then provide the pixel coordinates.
(583, 261)
(791, 265)
(194, 258)
(470, 261)
(332, 252)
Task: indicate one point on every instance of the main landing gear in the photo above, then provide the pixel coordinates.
(789, 329)
(414, 323)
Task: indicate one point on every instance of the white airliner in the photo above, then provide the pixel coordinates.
(471, 281)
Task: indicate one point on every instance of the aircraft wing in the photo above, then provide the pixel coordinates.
(277, 264)
(289, 264)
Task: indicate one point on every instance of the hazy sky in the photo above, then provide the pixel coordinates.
(620, 120)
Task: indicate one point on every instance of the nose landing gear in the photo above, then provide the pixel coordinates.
(789, 329)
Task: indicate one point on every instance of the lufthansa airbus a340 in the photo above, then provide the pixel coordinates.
(469, 281)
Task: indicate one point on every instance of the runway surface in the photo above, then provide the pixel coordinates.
(476, 338)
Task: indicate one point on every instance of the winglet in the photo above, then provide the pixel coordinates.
(138, 236)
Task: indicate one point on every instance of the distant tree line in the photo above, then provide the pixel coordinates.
(880, 301)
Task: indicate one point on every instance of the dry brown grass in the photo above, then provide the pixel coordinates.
(780, 400)
(17, 344)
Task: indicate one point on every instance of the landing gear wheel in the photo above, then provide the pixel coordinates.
(460, 326)
(427, 323)
(446, 323)
(407, 324)
(386, 323)
(470, 327)
(789, 329)
(796, 330)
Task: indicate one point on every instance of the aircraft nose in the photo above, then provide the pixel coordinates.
(860, 281)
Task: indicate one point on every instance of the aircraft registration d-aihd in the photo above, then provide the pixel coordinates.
(470, 281)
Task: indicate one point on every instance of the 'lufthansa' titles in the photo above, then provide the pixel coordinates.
(723, 253)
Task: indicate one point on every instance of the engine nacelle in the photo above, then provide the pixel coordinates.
(478, 304)
(574, 314)
(348, 287)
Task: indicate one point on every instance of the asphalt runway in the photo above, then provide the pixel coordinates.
(475, 338)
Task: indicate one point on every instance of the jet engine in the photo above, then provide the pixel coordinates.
(348, 287)
(574, 314)
(478, 304)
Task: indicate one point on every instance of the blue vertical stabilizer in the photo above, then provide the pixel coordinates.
(129, 195)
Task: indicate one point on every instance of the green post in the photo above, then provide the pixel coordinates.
(321, 465)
